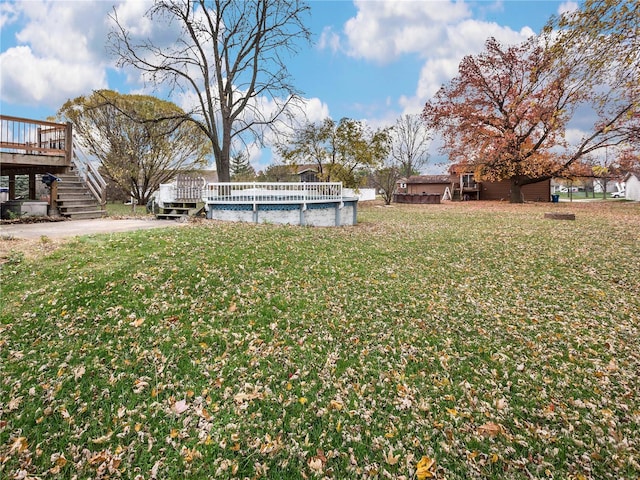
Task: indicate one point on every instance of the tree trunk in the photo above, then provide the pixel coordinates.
(222, 166)
(516, 190)
(223, 163)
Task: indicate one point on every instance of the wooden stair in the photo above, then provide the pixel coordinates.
(74, 199)
(175, 210)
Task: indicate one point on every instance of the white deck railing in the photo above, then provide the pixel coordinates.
(258, 192)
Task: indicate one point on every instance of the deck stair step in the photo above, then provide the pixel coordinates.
(74, 199)
(177, 210)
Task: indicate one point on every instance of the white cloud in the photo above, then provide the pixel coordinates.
(315, 109)
(131, 15)
(567, 7)
(70, 31)
(32, 80)
(8, 13)
(440, 33)
(575, 136)
(59, 52)
(383, 30)
(329, 40)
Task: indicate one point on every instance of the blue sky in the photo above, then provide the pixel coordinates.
(371, 60)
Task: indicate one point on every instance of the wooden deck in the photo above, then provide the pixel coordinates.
(30, 147)
(33, 147)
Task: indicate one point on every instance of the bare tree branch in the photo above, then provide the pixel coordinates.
(230, 55)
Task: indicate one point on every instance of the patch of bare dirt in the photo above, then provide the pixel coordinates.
(12, 248)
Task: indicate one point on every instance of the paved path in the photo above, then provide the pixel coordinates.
(74, 228)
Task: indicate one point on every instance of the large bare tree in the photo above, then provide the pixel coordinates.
(229, 55)
(410, 140)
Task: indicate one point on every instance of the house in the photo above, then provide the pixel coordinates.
(465, 187)
(307, 173)
(534, 192)
(423, 189)
(428, 184)
(632, 186)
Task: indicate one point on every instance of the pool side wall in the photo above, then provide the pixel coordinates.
(325, 214)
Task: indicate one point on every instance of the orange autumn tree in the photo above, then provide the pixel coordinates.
(506, 113)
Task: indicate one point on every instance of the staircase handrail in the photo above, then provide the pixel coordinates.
(96, 184)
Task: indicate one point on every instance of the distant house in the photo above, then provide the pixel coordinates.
(401, 185)
(632, 186)
(307, 173)
(423, 189)
(291, 173)
(534, 192)
(428, 184)
(465, 187)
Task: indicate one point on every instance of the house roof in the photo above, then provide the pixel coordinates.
(309, 167)
(431, 179)
(628, 176)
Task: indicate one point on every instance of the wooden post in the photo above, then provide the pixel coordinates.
(53, 199)
(68, 144)
(12, 187)
(32, 186)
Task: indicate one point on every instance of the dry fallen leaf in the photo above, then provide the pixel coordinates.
(103, 439)
(179, 407)
(137, 322)
(390, 458)
(315, 464)
(424, 468)
(139, 385)
(19, 445)
(78, 372)
(490, 429)
(14, 403)
(244, 396)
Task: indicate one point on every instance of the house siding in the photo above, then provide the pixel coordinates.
(632, 188)
(427, 188)
(534, 192)
(437, 184)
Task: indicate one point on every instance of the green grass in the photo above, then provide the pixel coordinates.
(584, 196)
(480, 335)
(119, 209)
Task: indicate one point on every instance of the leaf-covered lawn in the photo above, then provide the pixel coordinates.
(446, 341)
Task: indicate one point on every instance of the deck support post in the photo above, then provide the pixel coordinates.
(12, 187)
(32, 186)
(53, 199)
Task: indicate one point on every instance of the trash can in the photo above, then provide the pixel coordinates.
(555, 198)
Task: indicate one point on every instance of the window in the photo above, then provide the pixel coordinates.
(468, 180)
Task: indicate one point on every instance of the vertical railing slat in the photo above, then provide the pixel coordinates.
(250, 192)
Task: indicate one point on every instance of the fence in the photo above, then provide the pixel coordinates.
(189, 189)
(284, 192)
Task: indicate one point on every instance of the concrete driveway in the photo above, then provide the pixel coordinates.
(74, 228)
